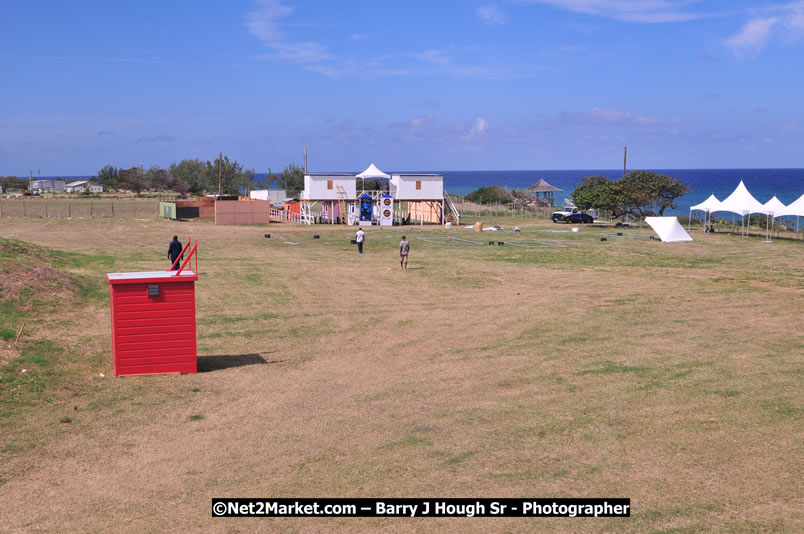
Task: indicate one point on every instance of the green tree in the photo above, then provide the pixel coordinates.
(159, 179)
(108, 177)
(645, 193)
(639, 193)
(132, 179)
(291, 179)
(234, 179)
(192, 173)
(595, 192)
(490, 195)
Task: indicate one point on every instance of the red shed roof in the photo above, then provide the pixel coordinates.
(150, 277)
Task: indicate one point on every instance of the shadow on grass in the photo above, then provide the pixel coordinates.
(228, 361)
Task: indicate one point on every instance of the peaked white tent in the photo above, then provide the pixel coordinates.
(372, 172)
(741, 202)
(668, 229)
(772, 207)
(795, 208)
(708, 206)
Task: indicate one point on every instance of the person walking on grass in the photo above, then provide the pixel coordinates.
(360, 236)
(404, 249)
(174, 250)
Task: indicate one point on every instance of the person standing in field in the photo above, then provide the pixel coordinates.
(174, 250)
(360, 236)
(404, 249)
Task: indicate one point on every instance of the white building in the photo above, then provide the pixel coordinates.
(82, 186)
(275, 196)
(47, 186)
(341, 197)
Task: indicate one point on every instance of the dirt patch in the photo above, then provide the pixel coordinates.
(31, 280)
(7, 353)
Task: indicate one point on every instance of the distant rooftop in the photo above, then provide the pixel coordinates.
(542, 187)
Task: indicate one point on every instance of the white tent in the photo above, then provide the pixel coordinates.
(372, 172)
(668, 229)
(795, 208)
(772, 207)
(741, 202)
(708, 206)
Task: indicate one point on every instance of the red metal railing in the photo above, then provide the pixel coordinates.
(193, 252)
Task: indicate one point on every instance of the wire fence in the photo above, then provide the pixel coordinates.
(79, 208)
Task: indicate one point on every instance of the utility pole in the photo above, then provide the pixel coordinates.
(625, 158)
(220, 172)
(305, 159)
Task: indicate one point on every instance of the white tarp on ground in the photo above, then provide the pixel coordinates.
(795, 208)
(668, 229)
(741, 202)
(372, 172)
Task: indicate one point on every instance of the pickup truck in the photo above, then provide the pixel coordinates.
(560, 216)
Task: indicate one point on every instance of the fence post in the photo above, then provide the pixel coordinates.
(1, 213)
(46, 209)
(24, 215)
(69, 215)
(90, 209)
(112, 209)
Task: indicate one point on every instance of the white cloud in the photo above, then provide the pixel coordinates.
(641, 11)
(262, 22)
(491, 14)
(784, 19)
(480, 127)
(753, 37)
(615, 116)
(420, 122)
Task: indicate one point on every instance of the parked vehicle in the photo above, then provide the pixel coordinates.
(560, 216)
(579, 218)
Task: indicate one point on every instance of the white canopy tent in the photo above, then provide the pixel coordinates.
(795, 208)
(371, 172)
(772, 207)
(741, 202)
(668, 229)
(708, 206)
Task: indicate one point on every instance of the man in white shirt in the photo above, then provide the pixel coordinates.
(404, 249)
(360, 236)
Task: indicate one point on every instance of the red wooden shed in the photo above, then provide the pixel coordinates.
(153, 321)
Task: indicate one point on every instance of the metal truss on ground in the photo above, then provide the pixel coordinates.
(450, 241)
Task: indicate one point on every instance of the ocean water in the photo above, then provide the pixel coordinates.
(786, 184)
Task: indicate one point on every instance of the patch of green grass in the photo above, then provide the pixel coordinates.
(782, 406)
(7, 333)
(609, 367)
(459, 458)
(409, 441)
(196, 417)
(195, 390)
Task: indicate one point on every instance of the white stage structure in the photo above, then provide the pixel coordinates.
(668, 229)
(343, 198)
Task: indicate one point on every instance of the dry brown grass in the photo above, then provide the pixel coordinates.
(667, 373)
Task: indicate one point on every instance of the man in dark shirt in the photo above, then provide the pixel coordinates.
(174, 250)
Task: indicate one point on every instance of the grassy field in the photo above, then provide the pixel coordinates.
(667, 373)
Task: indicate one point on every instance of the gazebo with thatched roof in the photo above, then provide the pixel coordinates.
(543, 192)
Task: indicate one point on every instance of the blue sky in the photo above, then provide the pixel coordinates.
(414, 85)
